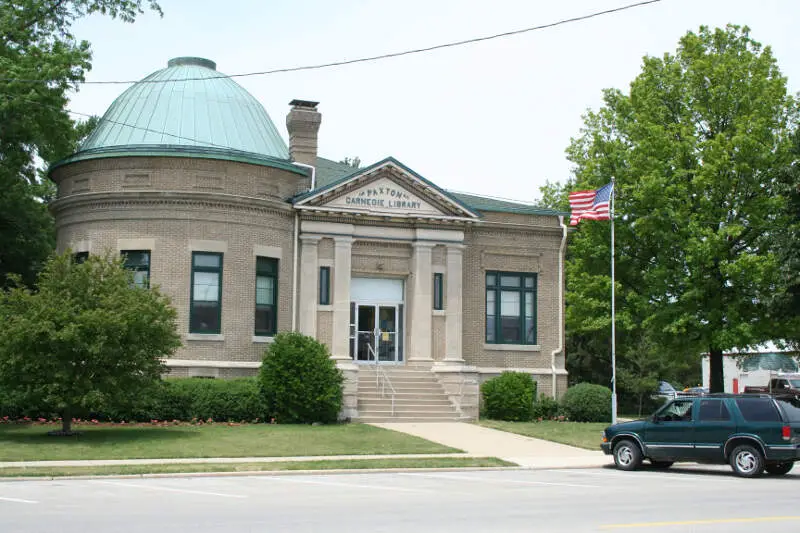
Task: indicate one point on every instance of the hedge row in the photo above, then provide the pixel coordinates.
(221, 400)
(512, 396)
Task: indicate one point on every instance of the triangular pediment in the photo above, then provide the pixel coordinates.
(387, 188)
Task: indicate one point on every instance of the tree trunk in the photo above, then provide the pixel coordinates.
(66, 422)
(717, 375)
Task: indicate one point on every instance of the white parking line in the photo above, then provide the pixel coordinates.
(169, 489)
(16, 500)
(501, 481)
(671, 478)
(340, 484)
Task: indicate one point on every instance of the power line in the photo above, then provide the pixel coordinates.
(368, 58)
(125, 124)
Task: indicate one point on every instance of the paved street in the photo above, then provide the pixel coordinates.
(600, 499)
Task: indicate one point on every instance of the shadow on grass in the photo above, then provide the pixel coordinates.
(87, 435)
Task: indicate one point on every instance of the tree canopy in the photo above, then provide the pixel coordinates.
(699, 148)
(86, 337)
(40, 63)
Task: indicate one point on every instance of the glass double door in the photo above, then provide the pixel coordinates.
(378, 333)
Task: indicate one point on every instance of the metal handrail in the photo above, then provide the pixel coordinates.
(381, 373)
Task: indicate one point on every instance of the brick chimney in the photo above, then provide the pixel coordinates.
(303, 123)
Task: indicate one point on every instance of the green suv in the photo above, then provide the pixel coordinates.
(751, 432)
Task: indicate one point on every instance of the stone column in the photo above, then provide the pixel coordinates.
(340, 346)
(420, 321)
(309, 265)
(453, 304)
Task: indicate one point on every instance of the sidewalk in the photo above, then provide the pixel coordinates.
(480, 441)
(476, 441)
(232, 460)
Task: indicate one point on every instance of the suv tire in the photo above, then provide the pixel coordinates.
(747, 461)
(627, 455)
(779, 469)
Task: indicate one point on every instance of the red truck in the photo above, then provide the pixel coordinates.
(783, 384)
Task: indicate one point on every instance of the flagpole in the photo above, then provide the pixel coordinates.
(613, 317)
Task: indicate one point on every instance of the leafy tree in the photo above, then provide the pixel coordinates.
(354, 162)
(786, 303)
(35, 128)
(696, 147)
(87, 337)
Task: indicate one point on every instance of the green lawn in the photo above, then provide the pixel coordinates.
(350, 464)
(581, 434)
(31, 443)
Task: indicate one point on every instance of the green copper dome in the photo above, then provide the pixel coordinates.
(189, 109)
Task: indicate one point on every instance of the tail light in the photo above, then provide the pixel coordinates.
(786, 432)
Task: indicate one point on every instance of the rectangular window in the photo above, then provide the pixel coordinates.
(758, 409)
(713, 410)
(266, 296)
(510, 308)
(80, 257)
(324, 285)
(206, 302)
(138, 262)
(438, 291)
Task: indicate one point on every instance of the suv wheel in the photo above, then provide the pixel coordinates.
(627, 455)
(661, 464)
(779, 469)
(747, 461)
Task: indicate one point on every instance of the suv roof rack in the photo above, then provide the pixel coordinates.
(739, 395)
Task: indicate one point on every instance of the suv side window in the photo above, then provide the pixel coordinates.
(677, 411)
(713, 410)
(758, 409)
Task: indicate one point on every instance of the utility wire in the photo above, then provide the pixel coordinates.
(125, 124)
(369, 58)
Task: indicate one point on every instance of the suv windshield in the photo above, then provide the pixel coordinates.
(791, 408)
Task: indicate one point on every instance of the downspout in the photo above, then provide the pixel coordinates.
(560, 304)
(296, 252)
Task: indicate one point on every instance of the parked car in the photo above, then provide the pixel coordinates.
(789, 383)
(752, 433)
(665, 391)
(694, 391)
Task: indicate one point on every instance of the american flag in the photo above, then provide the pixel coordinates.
(591, 205)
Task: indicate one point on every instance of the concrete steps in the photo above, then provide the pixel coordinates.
(418, 397)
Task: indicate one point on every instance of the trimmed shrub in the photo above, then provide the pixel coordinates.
(300, 380)
(509, 396)
(586, 402)
(545, 408)
(183, 399)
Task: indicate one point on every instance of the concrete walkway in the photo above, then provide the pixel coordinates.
(476, 441)
(486, 442)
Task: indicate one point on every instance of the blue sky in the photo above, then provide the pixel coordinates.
(490, 118)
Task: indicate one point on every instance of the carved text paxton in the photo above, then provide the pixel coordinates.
(386, 197)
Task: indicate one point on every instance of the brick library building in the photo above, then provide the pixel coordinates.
(419, 293)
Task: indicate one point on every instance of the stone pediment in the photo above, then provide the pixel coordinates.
(386, 189)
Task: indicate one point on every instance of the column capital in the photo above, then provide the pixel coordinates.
(310, 239)
(453, 248)
(342, 240)
(423, 245)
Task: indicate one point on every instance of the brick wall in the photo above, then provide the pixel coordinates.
(174, 219)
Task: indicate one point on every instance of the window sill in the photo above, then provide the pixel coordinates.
(513, 347)
(213, 337)
(261, 339)
(439, 312)
(327, 307)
